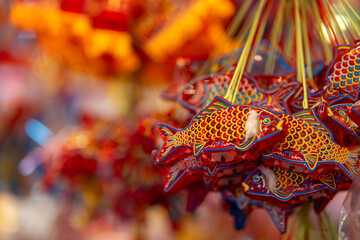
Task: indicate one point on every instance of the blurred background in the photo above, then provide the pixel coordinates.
(82, 84)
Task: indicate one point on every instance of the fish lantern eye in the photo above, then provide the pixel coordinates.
(266, 121)
(256, 178)
(342, 113)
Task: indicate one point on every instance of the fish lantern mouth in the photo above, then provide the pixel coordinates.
(245, 186)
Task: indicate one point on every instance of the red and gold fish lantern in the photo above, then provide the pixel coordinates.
(221, 127)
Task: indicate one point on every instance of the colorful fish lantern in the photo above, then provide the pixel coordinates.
(215, 175)
(337, 119)
(309, 147)
(285, 188)
(199, 93)
(342, 79)
(222, 127)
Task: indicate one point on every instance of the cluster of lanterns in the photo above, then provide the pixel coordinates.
(263, 151)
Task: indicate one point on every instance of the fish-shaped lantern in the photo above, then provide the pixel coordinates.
(222, 128)
(342, 78)
(285, 188)
(199, 92)
(309, 147)
(344, 75)
(345, 131)
(354, 114)
(335, 118)
(192, 170)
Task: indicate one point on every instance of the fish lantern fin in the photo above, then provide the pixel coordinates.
(198, 146)
(356, 131)
(216, 104)
(352, 161)
(311, 160)
(212, 168)
(329, 180)
(167, 133)
(246, 144)
(280, 94)
(310, 117)
(354, 95)
(278, 216)
(283, 194)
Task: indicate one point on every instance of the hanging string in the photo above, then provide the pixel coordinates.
(235, 81)
(328, 25)
(354, 12)
(275, 35)
(353, 24)
(333, 25)
(306, 44)
(325, 41)
(344, 20)
(289, 42)
(258, 37)
(330, 12)
(241, 37)
(233, 28)
(301, 77)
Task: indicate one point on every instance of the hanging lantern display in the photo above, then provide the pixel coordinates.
(276, 141)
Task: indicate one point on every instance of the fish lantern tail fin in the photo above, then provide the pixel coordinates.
(167, 133)
(352, 161)
(278, 97)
